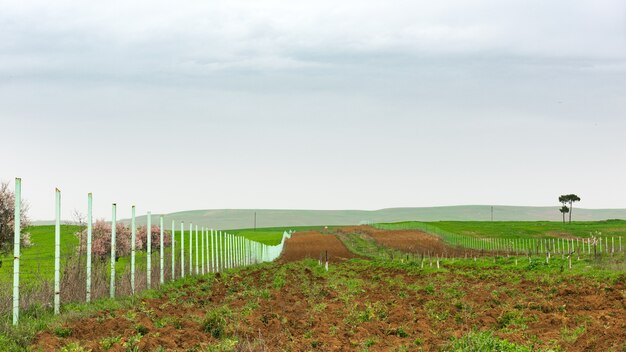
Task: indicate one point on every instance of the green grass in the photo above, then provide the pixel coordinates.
(273, 235)
(38, 259)
(484, 341)
(515, 229)
(532, 229)
(519, 235)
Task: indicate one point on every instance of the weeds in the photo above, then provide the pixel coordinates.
(215, 322)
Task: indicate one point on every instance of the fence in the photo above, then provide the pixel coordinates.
(595, 245)
(104, 249)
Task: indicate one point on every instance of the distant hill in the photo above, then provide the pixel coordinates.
(244, 218)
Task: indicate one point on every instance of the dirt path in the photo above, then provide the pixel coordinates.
(312, 244)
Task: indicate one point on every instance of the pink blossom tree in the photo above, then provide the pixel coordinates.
(101, 239)
(155, 232)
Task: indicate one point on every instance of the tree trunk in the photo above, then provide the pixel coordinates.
(571, 207)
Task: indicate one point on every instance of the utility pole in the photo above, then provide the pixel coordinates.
(492, 213)
(255, 221)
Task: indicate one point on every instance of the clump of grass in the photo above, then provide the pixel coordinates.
(215, 322)
(62, 332)
(571, 335)
(141, 329)
(132, 345)
(512, 320)
(400, 332)
(108, 342)
(280, 279)
(484, 341)
(74, 347)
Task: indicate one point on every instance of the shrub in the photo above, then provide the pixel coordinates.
(7, 207)
(155, 233)
(25, 240)
(101, 239)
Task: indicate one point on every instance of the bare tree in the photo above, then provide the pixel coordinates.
(79, 218)
(7, 216)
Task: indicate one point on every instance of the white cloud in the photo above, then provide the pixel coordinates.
(168, 35)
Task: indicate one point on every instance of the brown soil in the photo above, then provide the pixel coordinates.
(389, 307)
(410, 241)
(362, 305)
(312, 244)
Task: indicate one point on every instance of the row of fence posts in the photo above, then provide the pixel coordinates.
(218, 250)
(599, 245)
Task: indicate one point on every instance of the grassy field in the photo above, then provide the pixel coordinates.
(522, 236)
(38, 259)
(273, 235)
(525, 229)
(517, 229)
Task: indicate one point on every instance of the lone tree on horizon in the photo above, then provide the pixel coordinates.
(564, 209)
(568, 198)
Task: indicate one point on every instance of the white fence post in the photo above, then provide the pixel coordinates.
(173, 250)
(113, 225)
(161, 278)
(133, 236)
(203, 239)
(218, 249)
(197, 266)
(17, 231)
(182, 249)
(190, 249)
(149, 250)
(89, 235)
(212, 252)
(57, 252)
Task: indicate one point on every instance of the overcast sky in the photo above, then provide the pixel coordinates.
(322, 104)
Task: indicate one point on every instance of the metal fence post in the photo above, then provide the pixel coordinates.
(173, 250)
(212, 252)
(113, 225)
(197, 271)
(17, 231)
(161, 278)
(182, 249)
(133, 236)
(149, 250)
(57, 252)
(203, 249)
(218, 249)
(208, 252)
(190, 249)
(89, 234)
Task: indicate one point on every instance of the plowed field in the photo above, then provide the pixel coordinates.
(314, 245)
(410, 241)
(356, 306)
